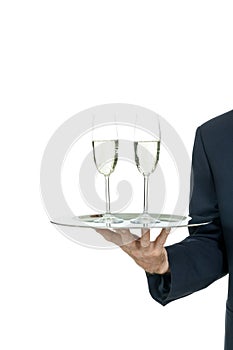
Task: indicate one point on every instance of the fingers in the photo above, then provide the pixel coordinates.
(118, 236)
(145, 238)
(110, 236)
(126, 236)
(128, 241)
(162, 237)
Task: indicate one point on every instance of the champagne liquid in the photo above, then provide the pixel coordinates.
(146, 156)
(105, 155)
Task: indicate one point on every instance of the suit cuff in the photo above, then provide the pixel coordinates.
(159, 286)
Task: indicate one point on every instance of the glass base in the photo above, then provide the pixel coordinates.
(108, 219)
(144, 219)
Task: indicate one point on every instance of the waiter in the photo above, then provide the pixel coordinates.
(207, 253)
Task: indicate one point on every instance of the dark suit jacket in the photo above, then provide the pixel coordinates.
(207, 253)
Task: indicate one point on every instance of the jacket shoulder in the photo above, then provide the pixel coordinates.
(222, 121)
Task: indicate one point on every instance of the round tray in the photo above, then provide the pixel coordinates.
(165, 220)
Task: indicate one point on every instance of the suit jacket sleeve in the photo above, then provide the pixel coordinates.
(200, 259)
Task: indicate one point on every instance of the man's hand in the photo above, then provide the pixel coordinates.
(151, 256)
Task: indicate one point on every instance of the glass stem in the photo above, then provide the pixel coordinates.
(145, 203)
(107, 195)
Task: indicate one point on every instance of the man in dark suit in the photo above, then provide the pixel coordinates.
(207, 253)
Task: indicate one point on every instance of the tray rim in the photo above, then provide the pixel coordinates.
(180, 222)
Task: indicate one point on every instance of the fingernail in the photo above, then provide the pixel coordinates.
(167, 229)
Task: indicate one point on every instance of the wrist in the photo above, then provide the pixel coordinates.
(161, 271)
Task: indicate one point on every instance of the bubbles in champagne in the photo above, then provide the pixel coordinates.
(105, 155)
(146, 156)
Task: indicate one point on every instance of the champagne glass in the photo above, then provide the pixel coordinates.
(146, 151)
(105, 146)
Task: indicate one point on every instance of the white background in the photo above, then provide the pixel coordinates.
(58, 58)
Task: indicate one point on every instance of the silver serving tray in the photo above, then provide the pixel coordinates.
(165, 220)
